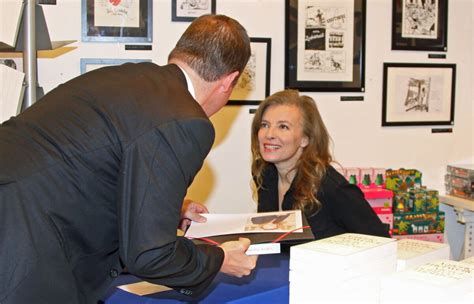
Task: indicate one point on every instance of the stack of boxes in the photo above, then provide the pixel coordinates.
(415, 209)
(372, 183)
(459, 181)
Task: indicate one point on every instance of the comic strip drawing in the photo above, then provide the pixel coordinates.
(420, 19)
(322, 36)
(194, 4)
(417, 98)
(247, 80)
(285, 222)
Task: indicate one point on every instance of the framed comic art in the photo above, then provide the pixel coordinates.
(188, 10)
(420, 25)
(90, 64)
(325, 45)
(418, 94)
(254, 83)
(117, 20)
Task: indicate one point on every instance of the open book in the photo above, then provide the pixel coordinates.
(261, 228)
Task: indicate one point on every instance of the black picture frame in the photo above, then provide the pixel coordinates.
(418, 94)
(318, 56)
(429, 34)
(89, 64)
(254, 83)
(109, 28)
(185, 10)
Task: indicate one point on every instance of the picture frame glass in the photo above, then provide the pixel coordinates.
(188, 10)
(117, 20)
(325, 42)
(419, 25)
(90, 64)
(254, 83)
(418, 94)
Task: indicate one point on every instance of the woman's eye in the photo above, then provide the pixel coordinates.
(284, 127)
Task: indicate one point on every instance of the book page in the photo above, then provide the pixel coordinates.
(408, 248)
(143, 288)
(345, 244)
(235, 223)
(11, 91)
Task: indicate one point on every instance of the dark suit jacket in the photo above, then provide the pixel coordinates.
(344, 208)
(92, 179)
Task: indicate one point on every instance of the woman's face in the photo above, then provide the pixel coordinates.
(280, 137)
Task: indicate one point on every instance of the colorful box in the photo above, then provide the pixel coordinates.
(386, 218)
(402, 179)
(418, 223)
(416, 200)
(378, 197)
(463, 171)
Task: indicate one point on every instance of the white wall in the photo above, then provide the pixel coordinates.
(359, 140)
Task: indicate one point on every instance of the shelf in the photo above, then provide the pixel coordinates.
(459, 202)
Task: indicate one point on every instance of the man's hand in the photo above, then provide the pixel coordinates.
(191, 212)
(236, 262)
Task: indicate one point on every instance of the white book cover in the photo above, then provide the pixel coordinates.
(347, 249)
(11, 91)
(416, 252)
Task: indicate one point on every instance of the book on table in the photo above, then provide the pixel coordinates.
(412, 253)
(346, 268)
(266, 230)
(442, 281)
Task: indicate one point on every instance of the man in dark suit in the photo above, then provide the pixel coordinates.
(93, 176)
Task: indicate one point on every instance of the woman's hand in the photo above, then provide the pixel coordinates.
(191, 212)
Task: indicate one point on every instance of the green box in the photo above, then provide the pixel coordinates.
(418, 223)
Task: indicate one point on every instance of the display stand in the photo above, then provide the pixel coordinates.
(32, 36)
(464, 209)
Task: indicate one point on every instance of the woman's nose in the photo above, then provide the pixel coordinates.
(270, 133)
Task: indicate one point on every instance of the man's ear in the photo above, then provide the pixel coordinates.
(228, 81)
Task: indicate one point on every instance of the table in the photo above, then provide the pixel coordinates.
(268, 283)
(464, 209)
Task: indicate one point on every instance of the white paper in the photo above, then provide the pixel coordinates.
(118, 13)
(223, 224)
(143, 288)
(10, 17)
(11, 91)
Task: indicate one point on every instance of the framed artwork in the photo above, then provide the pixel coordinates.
(254, 83)
(418, 94)
(90, 64)
(117, 20)
(325, 45)
(420, 25)
(188, 10)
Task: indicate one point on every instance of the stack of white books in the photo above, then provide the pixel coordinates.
(468, 260)
(412, 253)
(344, 268)
(442, 281)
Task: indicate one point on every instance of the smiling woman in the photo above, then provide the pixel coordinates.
(292, 169)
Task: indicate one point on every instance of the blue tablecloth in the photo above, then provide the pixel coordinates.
(268, 283)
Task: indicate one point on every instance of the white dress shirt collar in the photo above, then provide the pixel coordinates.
(189, 82)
